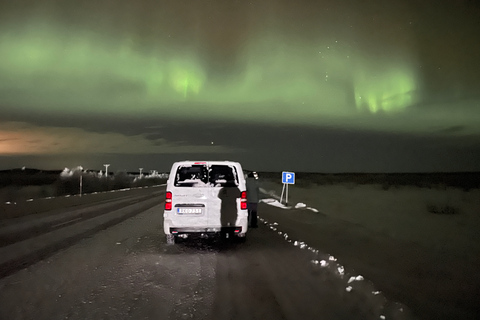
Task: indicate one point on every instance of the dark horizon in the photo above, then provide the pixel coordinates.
(269, 173)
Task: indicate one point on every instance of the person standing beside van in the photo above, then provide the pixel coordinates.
(252, 199)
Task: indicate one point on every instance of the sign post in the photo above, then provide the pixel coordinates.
(287, 178)
(81, 183)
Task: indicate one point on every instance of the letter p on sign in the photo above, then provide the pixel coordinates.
(288, 177)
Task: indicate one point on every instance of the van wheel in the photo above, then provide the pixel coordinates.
(170, 239)
(241, 239)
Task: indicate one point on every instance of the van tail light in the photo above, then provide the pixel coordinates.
(243, 200)
(168, 200)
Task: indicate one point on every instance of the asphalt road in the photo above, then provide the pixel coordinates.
(125, 270)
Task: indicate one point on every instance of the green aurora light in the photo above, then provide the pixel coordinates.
(389, 91)
(280, 79)
(51, 67)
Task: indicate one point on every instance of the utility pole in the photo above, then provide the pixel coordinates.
(106, 169)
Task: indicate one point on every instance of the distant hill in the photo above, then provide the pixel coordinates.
(29, 171)
(27, 176)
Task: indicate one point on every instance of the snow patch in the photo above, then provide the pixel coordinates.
(274, 203)
(273, 200)
(357, 278)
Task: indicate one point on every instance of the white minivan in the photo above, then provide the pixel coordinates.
(204, 198)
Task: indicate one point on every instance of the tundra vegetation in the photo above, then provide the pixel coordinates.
(24, 184)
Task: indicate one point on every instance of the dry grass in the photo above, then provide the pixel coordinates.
(442, 209)
(440, 219)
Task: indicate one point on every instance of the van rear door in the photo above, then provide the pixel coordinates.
(190, 199)
(223, 205)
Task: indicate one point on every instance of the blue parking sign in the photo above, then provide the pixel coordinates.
(288, 177)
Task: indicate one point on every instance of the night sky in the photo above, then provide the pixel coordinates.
(304, 85)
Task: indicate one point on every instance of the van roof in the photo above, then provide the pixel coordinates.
(207, 162)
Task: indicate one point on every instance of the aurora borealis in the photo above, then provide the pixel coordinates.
(241, 80)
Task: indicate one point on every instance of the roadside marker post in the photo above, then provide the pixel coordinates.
(81, 183)
(287, 178)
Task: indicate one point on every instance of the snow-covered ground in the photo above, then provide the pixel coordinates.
(446, 219)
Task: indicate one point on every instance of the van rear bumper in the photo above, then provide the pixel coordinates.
(233, 230)
(178, 228)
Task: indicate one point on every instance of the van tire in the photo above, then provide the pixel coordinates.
(170, 239)
(241, 239)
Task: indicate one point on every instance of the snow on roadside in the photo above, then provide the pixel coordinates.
(353, 283)
(328, 262)
(275, 201)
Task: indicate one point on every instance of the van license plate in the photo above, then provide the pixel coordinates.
(189, 210)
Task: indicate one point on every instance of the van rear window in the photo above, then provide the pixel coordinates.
(191, 176)
(223, 176)
(198, 175)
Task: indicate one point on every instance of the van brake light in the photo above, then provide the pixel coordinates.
(243, 200)
(168, 200)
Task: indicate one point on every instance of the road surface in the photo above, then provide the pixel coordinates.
(125, 270)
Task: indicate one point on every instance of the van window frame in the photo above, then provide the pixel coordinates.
(206, 175)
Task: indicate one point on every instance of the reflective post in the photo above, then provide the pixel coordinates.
(81, 183)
